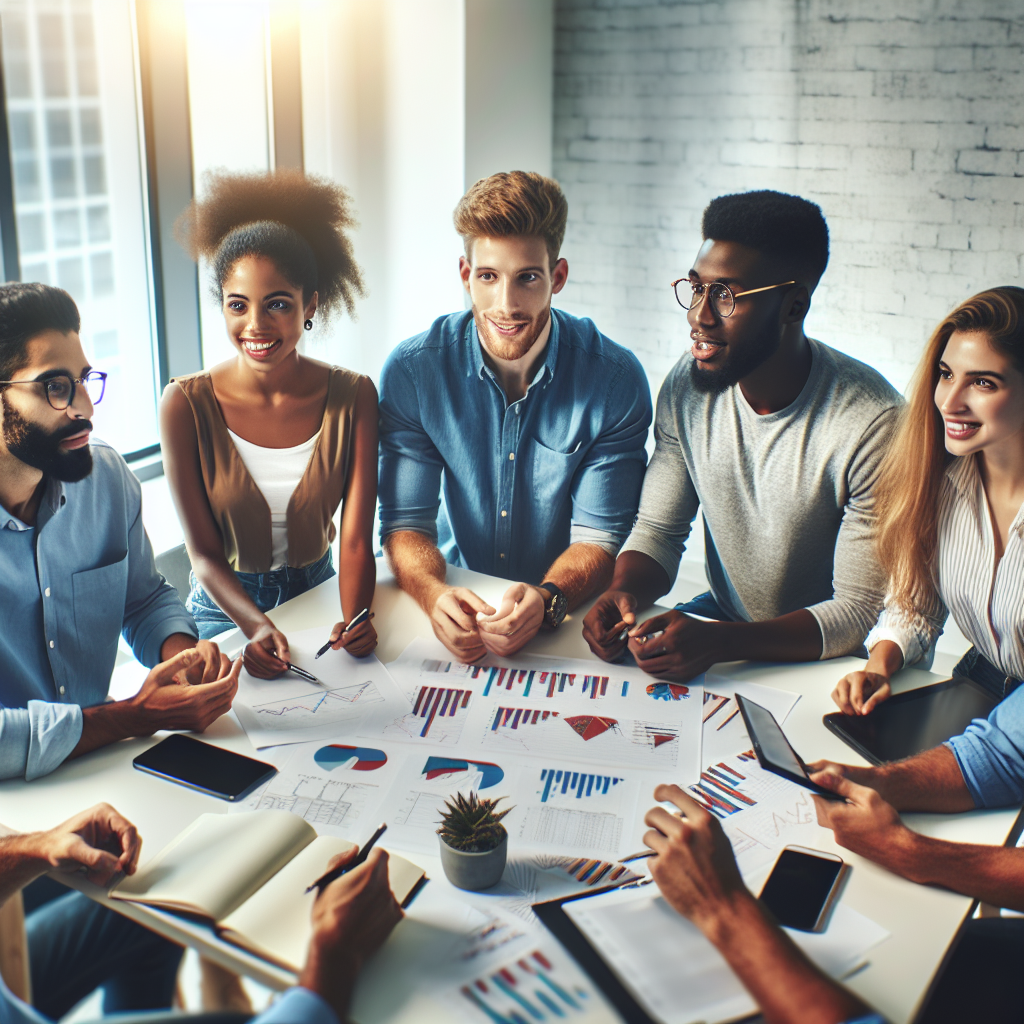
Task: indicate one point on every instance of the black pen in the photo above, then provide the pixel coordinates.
(335, 873)
(302, 672)
(356, 620)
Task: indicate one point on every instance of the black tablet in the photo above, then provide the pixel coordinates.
(774, 753)
(212, 770)
(913, 721)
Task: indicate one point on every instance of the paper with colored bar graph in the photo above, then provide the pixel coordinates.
(542, 708)
(291, 709)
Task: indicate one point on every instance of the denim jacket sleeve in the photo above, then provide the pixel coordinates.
(37, 739)
(606, 487)
(410, 465)
(298, 1006)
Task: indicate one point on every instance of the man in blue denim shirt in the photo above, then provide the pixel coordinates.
(532, 419)
(76, 566)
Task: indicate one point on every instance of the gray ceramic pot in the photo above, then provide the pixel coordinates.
(474, 870)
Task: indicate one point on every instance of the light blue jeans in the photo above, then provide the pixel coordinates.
(267, 590)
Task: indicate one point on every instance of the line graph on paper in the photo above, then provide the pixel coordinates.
(324, 707)
(535, 683)
(438, 715)
(758, 808)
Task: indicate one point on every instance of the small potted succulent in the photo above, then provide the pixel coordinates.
(474, 842)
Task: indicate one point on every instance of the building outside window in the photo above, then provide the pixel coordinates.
(70, 77)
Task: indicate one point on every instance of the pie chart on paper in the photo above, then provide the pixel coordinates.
(359, 759)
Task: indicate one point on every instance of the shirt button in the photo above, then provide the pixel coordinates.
(47, 591)
(503, 514)
(511, 456)
(502, 555)
(62, 691)
(51, 643)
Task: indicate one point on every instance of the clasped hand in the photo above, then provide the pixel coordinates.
(98, 841)
(470, 628)
(686, 647)
(178, 695)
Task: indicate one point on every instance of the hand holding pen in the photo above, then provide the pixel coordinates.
(357, 636)
(336, 872)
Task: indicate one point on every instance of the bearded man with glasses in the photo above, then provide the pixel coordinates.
(777, 438)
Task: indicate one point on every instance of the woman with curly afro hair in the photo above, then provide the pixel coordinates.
(261, 449)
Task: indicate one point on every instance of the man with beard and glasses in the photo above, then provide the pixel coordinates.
(534, 422)
(777, 438)
(76, 566)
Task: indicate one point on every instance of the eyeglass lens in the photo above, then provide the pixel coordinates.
(689, 294)
(60, 389)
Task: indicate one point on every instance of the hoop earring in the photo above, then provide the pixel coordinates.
(308, 325)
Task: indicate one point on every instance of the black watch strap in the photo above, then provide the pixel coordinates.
(556, 605)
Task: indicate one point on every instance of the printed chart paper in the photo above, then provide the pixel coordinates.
(290, 709)
(724, 733)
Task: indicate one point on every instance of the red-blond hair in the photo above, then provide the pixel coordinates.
(910, 478)
(510, 204)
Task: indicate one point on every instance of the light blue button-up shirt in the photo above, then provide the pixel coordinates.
(69, 586)
(522, 480)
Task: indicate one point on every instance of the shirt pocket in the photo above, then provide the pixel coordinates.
(99, 596)
(551, 473)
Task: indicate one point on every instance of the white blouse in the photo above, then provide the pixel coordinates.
(985, 598)
(276, 472)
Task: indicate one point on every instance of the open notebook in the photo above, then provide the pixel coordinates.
(247, 874)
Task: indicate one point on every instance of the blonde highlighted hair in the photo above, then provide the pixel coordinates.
(910, 478)
(514, 203)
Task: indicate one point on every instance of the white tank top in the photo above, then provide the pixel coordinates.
(276, 472)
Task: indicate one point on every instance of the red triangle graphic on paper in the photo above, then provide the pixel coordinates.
(589, 726)
(659, 738)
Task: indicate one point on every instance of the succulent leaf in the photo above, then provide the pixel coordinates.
(471, 824)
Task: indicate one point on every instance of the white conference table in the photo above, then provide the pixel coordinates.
(922, 920)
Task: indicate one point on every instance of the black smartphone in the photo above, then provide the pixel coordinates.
(212, 770)
(773, 751)
(802, 887)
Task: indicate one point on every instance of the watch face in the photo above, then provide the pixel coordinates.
(556, 608)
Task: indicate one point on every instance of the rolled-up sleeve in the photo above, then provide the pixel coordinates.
(606, 486)
(298, 1006)
(990, 752)
(858, 582)
(410, 468)
(668, 501)
(37, 739)
(153, 610)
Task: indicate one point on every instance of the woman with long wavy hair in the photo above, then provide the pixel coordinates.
(262, 449)
(950, 505)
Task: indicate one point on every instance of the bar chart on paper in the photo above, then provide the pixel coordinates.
(532, 988)
(438, 715)
(589, 737)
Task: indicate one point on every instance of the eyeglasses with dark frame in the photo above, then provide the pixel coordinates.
(59, 388)
(721, 296)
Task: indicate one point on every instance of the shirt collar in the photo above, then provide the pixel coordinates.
(963, 474)
(547, 368)
(52, 500)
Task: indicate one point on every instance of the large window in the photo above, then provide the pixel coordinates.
(70, 76)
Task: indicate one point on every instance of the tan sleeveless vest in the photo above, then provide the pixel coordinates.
(238, 506)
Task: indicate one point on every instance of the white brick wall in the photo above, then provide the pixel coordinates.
(903, 119)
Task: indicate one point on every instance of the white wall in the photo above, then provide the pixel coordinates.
(901, 118)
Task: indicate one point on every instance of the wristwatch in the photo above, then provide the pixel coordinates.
(556, 605)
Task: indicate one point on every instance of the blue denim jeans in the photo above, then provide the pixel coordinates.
(705, 605)
(267, 590)
(76, 946)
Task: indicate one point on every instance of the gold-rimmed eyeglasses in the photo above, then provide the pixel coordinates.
(59, 388)
(689, 293)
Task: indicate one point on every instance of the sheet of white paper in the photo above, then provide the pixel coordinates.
(676, 974)
(290, 709)
(538, 709)
(337, 787)
(724, 732)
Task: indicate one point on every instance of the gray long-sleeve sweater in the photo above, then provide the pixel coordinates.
(786, 497)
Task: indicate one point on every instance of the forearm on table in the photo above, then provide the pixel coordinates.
(931, 781)
(357, 578)
(581, 570)
(640, 575)
(787, 987)
(792, 637)
(110, 723)
(220, 582)
(885, 658)
(20, 863)
(417, 564)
